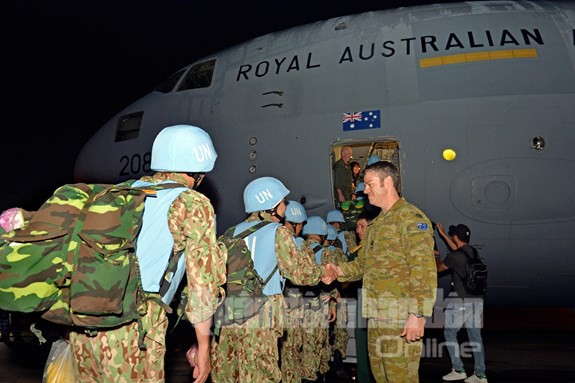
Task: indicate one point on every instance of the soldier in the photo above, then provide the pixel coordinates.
(291, 343)
(338, 330)
(342, 176)
(363, 371)
(346, 239)
(398, 268)
(320, 309)
(181, 154)
(249, 352)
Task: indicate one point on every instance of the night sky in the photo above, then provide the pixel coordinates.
(69, 66)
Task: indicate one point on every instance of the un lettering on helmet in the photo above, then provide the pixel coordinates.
(203, 153)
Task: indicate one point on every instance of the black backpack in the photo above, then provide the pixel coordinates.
(476, 278)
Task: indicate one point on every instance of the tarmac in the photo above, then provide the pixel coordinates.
(528, 345)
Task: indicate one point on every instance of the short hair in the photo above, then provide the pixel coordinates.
(384, 169)
(367, 215)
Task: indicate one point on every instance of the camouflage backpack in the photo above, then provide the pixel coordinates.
(244, 286)
(74, 259)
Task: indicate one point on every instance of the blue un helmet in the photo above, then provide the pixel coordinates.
(335, 216)
(295, 212)
(315, 225)
(331, 233)
(263, 193)
(373, 159)
(184, 149)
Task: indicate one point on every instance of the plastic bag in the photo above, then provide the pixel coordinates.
(60, 365)
(12, 219)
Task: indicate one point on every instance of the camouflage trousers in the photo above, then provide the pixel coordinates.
(291, 345)
(316, 351)
(249, 353)
(341, 336)
(114, 356)
(392, 359)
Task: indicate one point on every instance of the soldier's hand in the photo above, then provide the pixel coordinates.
(414, 328)
(202, 365)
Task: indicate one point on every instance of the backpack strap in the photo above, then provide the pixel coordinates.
(172, 266)
(317, 248)
(466, 253)
(252, 229)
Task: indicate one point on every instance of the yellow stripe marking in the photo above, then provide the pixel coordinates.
(478, 56)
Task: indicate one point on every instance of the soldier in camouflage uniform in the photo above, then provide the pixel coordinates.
(182, 154)
(397, 264)
(249, 352)
(320, 307)
(291, 342)
(339, 329)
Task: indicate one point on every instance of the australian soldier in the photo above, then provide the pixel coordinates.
(397, 264)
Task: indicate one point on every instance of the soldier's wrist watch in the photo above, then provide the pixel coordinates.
(417, 315)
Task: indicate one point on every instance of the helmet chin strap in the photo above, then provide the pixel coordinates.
(293, 225)
(197, 177)
(273, 213)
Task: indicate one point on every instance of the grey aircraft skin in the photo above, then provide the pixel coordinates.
(492, 81)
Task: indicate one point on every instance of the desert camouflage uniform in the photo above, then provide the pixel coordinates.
(249, 353)
(399, 277)
(113, 355)
(316, 351)
(292, 340)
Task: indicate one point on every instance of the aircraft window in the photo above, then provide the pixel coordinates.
(168, 85)
(128, 126)
(199, 76)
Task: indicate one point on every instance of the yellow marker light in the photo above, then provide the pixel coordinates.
(449, 154)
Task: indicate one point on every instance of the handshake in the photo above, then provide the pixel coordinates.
(332, 272)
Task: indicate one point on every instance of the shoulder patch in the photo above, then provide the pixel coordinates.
(422, 226)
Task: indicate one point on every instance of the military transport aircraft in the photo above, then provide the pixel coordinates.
(474, 101)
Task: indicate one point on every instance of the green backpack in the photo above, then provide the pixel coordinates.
(244, 286)
(74, 260)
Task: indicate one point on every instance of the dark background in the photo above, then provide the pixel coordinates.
(69, 66)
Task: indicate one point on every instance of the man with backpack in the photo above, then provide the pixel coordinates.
(465, 307)
(248, 352)
(179, 220)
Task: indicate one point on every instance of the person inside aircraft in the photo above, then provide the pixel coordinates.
(342, 176)
(355, 173)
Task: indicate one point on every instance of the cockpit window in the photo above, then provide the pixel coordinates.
(199, 76)
(168, 85)
(128, 126)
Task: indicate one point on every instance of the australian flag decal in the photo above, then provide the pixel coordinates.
(422, 226)
(369, 119)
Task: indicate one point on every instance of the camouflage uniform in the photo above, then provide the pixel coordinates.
(399, 277)
(114, 355)
(316, 352)
(249, 353)
(292, 341)
(342, 178)
(340, 334)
